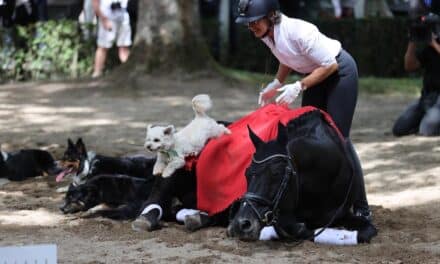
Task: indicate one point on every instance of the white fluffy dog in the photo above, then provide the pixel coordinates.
(172, 147)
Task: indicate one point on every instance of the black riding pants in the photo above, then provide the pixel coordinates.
(337, 95)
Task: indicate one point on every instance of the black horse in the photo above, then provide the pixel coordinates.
(298, 182)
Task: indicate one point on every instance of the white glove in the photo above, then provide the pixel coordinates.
(267, 94)
(289, 93)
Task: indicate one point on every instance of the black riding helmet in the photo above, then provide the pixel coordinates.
(252, 10)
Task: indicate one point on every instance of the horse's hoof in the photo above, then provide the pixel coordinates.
(142, 223)
(196, 221)
(366, 234)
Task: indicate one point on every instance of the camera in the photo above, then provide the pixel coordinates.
(115, 6)
(422, 27)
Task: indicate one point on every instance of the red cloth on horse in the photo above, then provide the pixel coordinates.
(221, 166)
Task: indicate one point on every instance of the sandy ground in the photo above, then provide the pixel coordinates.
(402, 175)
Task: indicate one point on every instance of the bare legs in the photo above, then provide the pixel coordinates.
(101, 57)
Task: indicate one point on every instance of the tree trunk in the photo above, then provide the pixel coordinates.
(169, 37)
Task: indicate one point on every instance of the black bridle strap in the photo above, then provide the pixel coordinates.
(250, 197)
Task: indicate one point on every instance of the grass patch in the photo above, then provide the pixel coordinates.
(369, 85)
(373, 85)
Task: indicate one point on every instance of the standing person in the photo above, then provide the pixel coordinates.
(114, 24)
(330, 79)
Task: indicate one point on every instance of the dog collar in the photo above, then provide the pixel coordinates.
(171, 153)
(5, 155)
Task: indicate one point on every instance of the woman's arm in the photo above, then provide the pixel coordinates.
(318, 75)
(411, 61)
(282, 73)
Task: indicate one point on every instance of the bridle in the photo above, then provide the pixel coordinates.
(270, 216)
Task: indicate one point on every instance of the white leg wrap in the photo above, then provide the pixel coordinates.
(268, 233)
(333, 236)
(180, 216)
(151, 207)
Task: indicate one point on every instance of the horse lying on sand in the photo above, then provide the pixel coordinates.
(301, 181)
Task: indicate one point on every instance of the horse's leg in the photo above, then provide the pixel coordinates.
(366, 230)
(287, 228)
(159, 199)
(200, 220)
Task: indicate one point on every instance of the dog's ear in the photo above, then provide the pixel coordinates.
(80, 146)
(169, 130)
(70, 143)
(149, 126)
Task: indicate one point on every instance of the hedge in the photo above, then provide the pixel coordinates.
(378, 45)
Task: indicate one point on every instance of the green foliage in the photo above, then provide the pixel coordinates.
(46, 50)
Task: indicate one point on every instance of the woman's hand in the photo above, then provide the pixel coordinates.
(268, 93)
(289, 93)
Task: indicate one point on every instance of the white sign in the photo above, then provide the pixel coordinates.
(36, 254)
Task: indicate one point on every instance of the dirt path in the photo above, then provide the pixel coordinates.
(402, 176)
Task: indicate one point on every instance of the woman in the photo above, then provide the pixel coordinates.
(330, 74)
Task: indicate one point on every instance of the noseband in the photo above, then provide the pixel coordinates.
(270, 216)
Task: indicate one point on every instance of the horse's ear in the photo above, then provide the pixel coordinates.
(254, 138)
(282, 134)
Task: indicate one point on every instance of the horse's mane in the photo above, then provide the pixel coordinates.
(301, 126)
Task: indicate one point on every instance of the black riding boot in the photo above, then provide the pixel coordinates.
(360, 205)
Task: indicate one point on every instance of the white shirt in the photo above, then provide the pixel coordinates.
(121, 14)
(300, 46)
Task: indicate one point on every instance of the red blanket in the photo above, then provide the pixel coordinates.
(221, 165)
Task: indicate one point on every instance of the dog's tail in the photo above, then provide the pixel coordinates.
(201, 104)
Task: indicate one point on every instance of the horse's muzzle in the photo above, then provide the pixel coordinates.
(244, 228)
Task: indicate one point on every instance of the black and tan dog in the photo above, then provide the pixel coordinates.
(123, 195)
(26, 163)
(82, 165)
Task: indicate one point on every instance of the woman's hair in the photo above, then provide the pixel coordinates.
(275, 17)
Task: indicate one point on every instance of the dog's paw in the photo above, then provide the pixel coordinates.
(157, 170)
(167, 173)
(227, 131)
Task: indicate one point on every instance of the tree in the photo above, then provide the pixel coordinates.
(169, 37)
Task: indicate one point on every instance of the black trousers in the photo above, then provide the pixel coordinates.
(337, 95)
(420, 117)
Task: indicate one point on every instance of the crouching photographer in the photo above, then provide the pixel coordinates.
(423, 52)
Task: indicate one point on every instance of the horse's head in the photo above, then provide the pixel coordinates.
(268, 178)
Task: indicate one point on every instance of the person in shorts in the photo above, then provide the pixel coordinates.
(113, 25)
